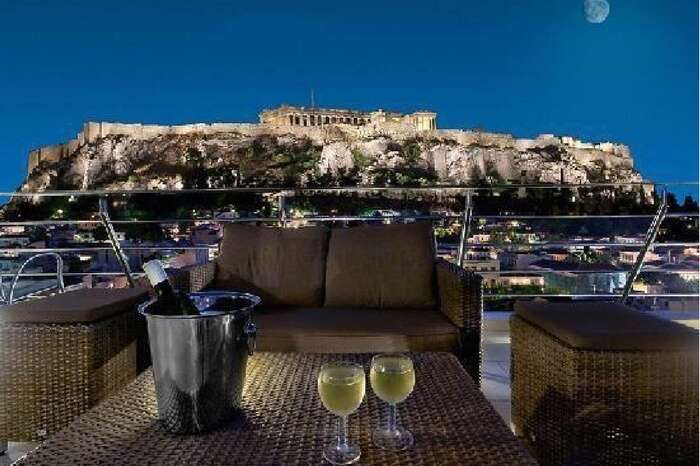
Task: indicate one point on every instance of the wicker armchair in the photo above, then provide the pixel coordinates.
(60, 355)
(460, 295)
(460, 300)
(604, 387)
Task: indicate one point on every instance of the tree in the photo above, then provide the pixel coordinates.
(196, 174)
(690, 205)
(672, 202)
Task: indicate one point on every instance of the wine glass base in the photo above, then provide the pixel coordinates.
(396, 440)
(341, 454)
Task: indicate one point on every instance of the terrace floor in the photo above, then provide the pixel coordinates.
(495, 367)
(495, 370)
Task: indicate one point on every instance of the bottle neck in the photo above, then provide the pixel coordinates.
(164, 289)
(170, 302)
(155, 273)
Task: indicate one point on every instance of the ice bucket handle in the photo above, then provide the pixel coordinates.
(251, 332)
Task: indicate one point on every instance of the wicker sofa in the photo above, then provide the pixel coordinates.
(62, 354)
(350, 290)
(600, 383)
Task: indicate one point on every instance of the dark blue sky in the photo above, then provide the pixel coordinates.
(519, 66)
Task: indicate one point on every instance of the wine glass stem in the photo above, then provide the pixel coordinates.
(342, 433)
(393, 418)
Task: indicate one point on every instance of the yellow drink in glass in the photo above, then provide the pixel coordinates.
(342, 389)
(392, 378)
(341, 386)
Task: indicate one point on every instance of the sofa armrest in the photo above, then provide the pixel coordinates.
(461, 301)
(460, 295)
(194, 277)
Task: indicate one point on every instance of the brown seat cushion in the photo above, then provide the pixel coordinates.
(323, 330)
(597, 325)
(388, 266)
(84, 305)
(284, 266)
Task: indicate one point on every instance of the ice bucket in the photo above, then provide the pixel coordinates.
(199, 362)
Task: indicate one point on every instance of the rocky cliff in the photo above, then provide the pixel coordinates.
(115, 156)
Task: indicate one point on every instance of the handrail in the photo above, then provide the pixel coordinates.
(648, 240)
(466, 228)
(499, 272)
(563, 244)
(59, 273)
(344, 218)
(116, 247)
(467, 217)
(589, 295)
(559, 244)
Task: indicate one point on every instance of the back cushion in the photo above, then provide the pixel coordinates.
(388, 266)
(284, 266)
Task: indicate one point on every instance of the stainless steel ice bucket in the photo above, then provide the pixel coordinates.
(199, 362)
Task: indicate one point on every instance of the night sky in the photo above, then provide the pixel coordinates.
(519, 66)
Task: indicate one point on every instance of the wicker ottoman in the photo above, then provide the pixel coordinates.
(599, 383)
(60, 355)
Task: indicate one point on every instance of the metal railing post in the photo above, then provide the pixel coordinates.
(466, 226)
(116, 247)
(282, 207)
(648, 240)
(3, 297)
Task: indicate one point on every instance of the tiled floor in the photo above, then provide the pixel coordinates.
(15, 451)
(495, 368)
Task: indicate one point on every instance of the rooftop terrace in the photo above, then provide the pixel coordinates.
(569, 263)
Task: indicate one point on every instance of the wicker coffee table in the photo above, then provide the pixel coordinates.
(285, 423)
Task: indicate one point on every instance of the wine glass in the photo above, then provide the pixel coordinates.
(392, 377)
(341, 386)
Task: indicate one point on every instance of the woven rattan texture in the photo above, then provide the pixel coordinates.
(603, 407)
(285, 423)
(194, 278)
(52, 373)
(461, 300)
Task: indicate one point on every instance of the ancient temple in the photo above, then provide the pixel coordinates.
(286, 115)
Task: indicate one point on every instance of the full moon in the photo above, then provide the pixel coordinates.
(596, 11)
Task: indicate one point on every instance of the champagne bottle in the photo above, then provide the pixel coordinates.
(168, 300)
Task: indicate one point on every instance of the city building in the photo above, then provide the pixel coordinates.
(558, 254)
(480, 238)
(487, 268)
(521, 279)
(14, 241)
(630, 256)
(481, 253)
